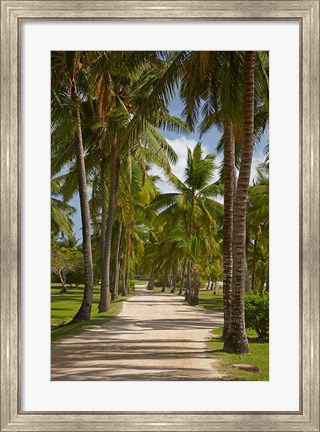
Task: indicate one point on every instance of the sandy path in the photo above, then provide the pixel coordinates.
(155, 337)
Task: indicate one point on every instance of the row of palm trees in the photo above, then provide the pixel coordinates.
(108, 110)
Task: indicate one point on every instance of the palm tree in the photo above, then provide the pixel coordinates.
(192, 204)
(216, 80)
(61, 211)
(118, 99)
(236, 339)
(136, 190)
(66, 71)
(152, 148)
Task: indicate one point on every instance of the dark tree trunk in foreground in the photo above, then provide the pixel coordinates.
(104, 304)
(229, 192)
(115, 291)
(236, 340)
(84, 312)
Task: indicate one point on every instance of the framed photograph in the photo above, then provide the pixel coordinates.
(30, 32)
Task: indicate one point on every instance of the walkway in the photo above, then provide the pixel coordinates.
(155, 337)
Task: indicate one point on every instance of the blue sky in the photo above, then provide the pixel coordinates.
(180, 143)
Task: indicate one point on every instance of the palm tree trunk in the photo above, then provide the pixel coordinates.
(174, 278)
(229, 192)
(236, 340)
(123, 279)
(84, 312)
(188, 291)
(164, 284)
(214, 288)
(115, 291)
(103, 209)
(128, 260)
(194, 295)
(182, 276)
(104, 304)
(150, 285)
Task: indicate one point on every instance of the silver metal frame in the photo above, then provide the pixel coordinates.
(307, 13)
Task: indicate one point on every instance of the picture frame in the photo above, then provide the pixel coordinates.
(12, 13)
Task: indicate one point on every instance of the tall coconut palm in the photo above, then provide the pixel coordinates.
(211, 83)
(236, 339)
(122, 101)
(66, 71)
(135, 198)
(193, 203)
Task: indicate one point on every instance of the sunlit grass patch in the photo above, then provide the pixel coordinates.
(65, 306)
(211, 301)
(258, 357)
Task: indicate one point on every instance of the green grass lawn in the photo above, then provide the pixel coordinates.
(258, 356)
(210, 301)
(141, 282)
(259, 352)
(65, 306)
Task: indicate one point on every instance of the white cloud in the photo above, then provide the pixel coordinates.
(256, 161)
(180, 146)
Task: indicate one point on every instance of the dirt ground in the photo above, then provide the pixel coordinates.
(155, 337)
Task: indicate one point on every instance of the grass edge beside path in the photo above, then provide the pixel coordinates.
(259, 351)
(258, 356)
(67, 331)
(64, 307)
(97, 319)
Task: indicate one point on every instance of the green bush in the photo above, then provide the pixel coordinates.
(257, 313)
(131, 286)
(76, 277)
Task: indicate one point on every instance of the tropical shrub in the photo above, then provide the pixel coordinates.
(257, 313)
(131, 286)
(76, 277)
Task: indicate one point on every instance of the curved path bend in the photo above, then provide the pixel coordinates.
(155, 337)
